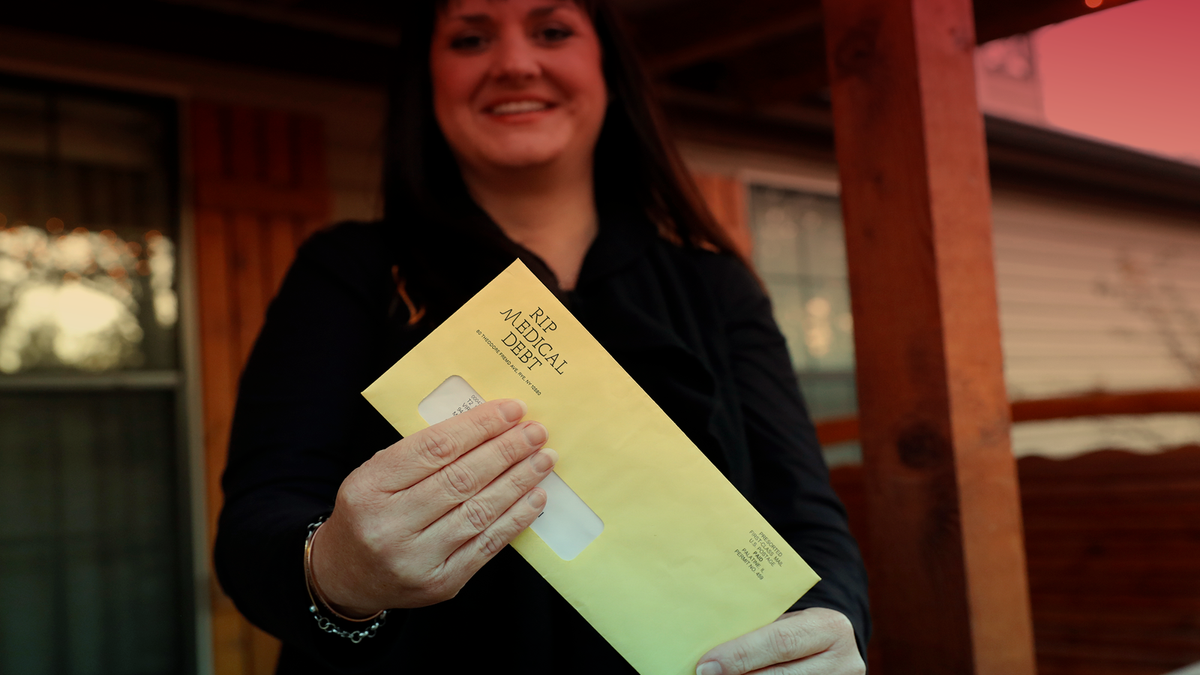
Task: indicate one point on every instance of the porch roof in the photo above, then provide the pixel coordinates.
(756, 53)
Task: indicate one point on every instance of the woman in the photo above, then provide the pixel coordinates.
(520, 128)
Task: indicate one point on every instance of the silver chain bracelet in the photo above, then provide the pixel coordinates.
(317, 600)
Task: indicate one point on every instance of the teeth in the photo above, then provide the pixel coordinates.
(517, 107)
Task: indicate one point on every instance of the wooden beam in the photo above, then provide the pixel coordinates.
(837, 430)
(783, 70)
(833, 430)
(248, 38)
(798, 132)
(951, 596)
(763, 93)
(1101, 403)
(674, 38)
(1002, 18)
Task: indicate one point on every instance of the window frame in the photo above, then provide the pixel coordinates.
(194, 577)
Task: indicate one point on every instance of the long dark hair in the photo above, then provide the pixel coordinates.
(448, 248)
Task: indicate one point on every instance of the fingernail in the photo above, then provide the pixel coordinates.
(544, 460)
(709, 668)
(535, 434)
(537, 498)
(513, 409)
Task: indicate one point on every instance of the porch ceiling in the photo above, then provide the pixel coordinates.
(744, 72)
(753, 54)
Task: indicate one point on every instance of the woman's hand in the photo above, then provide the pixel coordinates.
(417, 520)
(815, 641)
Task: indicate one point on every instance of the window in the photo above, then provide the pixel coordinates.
(93, 545)
(800, 253)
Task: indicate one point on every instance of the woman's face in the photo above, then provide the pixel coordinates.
(517, 83)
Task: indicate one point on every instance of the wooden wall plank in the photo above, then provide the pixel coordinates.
(263, 198)
(207, 141)
(229, 643)
(218, 361)
(244, 144)
(280, 156)
(310, 151)
(951, 597)
(217, 354)
(247, 281)
(1113, 540)
(309, 227)
(726, 198)
(280, 248)
(259, 185)
(264, 651)
(1115, 588)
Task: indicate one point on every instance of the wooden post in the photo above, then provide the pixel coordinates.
(949, 581)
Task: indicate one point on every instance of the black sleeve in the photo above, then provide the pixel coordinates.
(792, 486)
(300, 426)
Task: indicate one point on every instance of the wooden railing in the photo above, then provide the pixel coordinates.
(1112, 541)
(844, 429)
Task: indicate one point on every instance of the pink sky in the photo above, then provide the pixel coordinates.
(1128, 75)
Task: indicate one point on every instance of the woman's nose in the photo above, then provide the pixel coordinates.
(515, 58)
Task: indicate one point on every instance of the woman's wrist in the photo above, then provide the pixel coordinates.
(354, 630)
(327, 577)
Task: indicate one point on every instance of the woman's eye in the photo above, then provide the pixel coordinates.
(468, 42)
(554, 33)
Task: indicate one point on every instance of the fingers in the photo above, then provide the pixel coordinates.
(797, 636)
(825, 663)
(422, 454)
(469, 557)
(461, 480)
(478, 513)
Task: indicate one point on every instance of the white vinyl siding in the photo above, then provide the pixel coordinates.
(1094, 298)
(1091, 299)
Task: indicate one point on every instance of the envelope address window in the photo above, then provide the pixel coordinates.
(567, 524)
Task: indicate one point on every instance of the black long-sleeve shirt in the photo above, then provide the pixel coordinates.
(692, 327)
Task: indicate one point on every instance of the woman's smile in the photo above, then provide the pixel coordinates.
(511, 108)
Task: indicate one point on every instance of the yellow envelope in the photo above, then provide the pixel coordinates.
(674, 560)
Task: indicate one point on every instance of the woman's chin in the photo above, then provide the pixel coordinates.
(530, 159)
(527, 156)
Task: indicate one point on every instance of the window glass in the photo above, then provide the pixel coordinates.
(800, 253)
(87, 243)
(89, 557)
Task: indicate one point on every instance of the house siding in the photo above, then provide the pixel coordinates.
(1096, 298)
(1092, 298)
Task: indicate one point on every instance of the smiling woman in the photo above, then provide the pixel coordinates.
(519, 129)
(432, 202)
(520, 96)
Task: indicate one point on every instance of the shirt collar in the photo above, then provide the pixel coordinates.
(619, 242)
